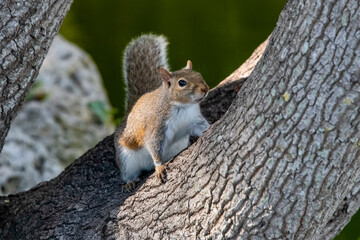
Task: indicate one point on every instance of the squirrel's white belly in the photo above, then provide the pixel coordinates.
(174, 148)
(140, 160)
(178, 128)
(177, 134)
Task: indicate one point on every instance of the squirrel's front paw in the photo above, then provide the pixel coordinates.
(161, 173)
(129, 187)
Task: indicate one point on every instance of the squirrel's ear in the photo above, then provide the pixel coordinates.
(165, 75)
(188, 65)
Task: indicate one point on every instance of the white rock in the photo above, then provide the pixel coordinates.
(55, 124)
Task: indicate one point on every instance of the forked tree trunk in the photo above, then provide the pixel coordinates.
(27, 29)
(282, 162)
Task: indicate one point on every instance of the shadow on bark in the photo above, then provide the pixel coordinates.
(84, 194)
(83, 201)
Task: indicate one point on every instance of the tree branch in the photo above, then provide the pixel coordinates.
(282, 162)
(83, 200)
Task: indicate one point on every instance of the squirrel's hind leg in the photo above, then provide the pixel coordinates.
(133, 162)
(161, 173)
(130, 186)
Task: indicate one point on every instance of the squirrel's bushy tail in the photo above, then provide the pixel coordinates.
(142, 59)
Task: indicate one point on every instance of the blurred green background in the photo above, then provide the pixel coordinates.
(217, 36)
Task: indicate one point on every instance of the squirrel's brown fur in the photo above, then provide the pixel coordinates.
(160, 122)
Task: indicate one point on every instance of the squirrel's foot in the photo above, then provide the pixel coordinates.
(129, 187)
(161, 173)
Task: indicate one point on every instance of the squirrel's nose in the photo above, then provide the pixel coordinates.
(204, 89)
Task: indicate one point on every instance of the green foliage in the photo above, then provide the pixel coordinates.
(36, 93)
(351, 231)
(103, 114)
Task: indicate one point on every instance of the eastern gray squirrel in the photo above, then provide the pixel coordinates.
(165, 110)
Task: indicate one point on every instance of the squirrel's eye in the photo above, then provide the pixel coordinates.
(182, 83)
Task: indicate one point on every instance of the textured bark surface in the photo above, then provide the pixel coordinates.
(27, 29)
(83, 201)
(282, 162)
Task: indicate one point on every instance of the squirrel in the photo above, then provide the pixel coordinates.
(165, 110)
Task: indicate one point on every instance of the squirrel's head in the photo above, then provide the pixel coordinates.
(185, 85)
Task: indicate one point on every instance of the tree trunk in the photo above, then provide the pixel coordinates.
(27, 29)
(282, 162)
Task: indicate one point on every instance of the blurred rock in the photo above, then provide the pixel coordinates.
(65, 114)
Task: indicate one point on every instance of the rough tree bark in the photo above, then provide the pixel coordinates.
(282, 162)
(27, 29)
